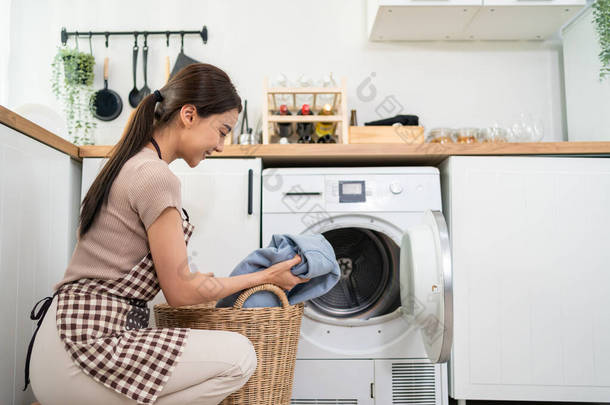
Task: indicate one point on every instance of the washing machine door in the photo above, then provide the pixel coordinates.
(426, 284)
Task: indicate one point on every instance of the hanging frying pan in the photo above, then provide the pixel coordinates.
(108, 104)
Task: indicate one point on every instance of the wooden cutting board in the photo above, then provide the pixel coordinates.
(386, 134)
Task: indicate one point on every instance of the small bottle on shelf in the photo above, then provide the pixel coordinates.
(284, 128)
(325, 130)
(305, 129)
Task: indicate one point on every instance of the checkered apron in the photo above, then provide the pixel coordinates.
(104, 327)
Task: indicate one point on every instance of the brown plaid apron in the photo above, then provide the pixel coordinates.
(104, 327)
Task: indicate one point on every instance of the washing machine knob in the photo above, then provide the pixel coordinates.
(395, 187)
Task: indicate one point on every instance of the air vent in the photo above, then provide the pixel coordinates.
(413, 383)
(324, 401)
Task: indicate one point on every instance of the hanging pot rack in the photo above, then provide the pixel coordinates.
(65, 34)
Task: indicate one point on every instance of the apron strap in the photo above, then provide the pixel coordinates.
(47, 301)
(156, 145)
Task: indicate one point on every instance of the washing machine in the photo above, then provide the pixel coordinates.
(382, 334)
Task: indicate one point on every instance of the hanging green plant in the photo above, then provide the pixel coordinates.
(72, 83)
(601, 17)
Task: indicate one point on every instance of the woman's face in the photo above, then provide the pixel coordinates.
(200, 137)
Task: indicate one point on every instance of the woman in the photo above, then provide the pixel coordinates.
(94, 347)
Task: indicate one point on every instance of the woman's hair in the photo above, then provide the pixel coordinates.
(205, 86)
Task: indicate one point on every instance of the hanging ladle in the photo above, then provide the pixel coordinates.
(145, 91)
(134, 94)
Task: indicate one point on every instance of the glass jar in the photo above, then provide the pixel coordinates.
(493, 135)
(440, 135)
(466, 135)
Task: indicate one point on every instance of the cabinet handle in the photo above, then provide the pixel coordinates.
(250, 180)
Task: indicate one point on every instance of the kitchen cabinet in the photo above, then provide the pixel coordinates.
(468, 19)
(223, 200)
(39, 206)
(530, 277)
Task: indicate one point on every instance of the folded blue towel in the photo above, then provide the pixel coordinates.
(318, 263)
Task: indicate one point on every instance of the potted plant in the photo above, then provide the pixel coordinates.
(72, 83)
(601, 17)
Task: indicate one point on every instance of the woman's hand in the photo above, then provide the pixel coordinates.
(280, 274)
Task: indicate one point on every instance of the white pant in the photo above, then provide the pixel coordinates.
(213, 365)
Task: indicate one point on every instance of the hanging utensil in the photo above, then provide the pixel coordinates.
(167, 56)
(134, 94)
(246, 137)
(182, 60)
(145, 91)
(108, 104)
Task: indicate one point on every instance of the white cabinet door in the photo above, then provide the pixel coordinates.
(530, 277)
(223, 200)
(39, 205)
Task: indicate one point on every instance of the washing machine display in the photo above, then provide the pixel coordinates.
(352, 191)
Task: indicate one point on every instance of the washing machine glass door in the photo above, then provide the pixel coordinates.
(426, 284)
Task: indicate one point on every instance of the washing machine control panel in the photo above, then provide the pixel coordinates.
(348, 190)
(380, 192)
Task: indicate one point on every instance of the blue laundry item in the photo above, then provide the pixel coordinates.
(318, 263)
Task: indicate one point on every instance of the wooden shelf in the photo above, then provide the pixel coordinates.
(340, 128)
(386, 154)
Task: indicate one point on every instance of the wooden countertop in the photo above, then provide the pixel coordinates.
(386, 154)
(27, 127)
(333, 154)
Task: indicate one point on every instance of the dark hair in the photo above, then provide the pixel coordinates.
(205, 86)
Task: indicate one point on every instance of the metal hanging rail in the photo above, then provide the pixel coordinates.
(65, 34)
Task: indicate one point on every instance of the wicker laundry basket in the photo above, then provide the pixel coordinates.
(274, 332)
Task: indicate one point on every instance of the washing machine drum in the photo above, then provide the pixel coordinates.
(369, 284)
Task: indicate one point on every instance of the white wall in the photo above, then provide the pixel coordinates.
(587, 98)
(445, 83)
(5, 30)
